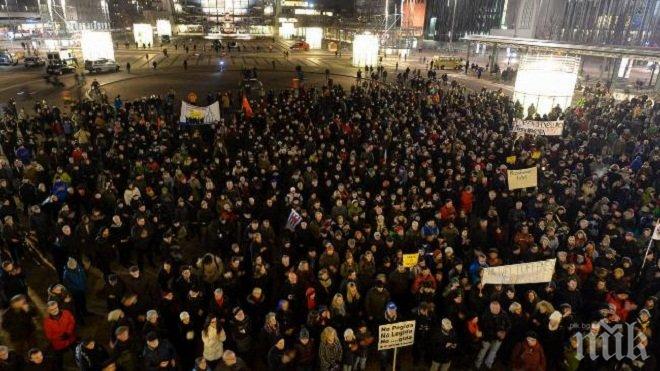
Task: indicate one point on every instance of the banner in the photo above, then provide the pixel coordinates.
(195, 115)
(551, 128)
(395, 335)
(523, 178)
(536, 272)
(293, 220)
(410, 260)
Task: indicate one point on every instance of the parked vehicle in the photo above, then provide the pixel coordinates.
(61, 66)
(300, 45)
(6, 59)
(34, 62)
(101, 65)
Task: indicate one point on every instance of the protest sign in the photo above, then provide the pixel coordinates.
(522, 178)
(195, 115)
(511, 160)
(533, 127)
(514, 274)
(410, 260)
(293, 220)
(395, 335)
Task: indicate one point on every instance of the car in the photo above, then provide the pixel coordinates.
(300, 45)
(101, 65)
(61, 66)
(6, 59)
(34, 62)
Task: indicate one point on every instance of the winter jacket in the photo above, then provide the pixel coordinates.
(213, 344)
(330, 356)
(90, 359)
(18, 323)
(528, 358)
(444, 346)
(153, 357)
(375, 302)
(60, 330)
(75, 279)
(492, 323)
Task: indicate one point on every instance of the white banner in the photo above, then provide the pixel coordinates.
(396, 335)
(535, 272)
(194, 115)
(551, 128)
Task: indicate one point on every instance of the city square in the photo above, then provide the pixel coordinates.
(330, 185)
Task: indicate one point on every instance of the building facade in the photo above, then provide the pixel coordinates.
(595, 22)
(453, 19)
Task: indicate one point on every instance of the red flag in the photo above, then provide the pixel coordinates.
(247, 108)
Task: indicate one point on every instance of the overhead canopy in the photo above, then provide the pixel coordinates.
(647, 54)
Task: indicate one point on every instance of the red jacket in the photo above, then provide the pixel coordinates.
(61, 332)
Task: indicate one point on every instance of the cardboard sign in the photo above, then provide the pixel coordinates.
(410, 260)
(396, 335)
(549, 128)
(523, 178)
(515, 274)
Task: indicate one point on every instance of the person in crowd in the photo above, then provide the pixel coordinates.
(330, 351)
(90, 356)
(213, 337)
(528, 355)
(9, 360)
(60, 330)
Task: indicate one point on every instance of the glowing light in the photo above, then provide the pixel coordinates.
(314, 37)
(546, 81)
(365, 50)
(143, 33)
(287, 30)
(96, 45)
(163, 27)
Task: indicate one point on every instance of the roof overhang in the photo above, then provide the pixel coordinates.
(648, 54)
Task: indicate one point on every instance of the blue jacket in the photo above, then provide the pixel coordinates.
(75, 279)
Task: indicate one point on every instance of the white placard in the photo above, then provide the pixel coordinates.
(535, 272)
(533, 127)
(396, 335)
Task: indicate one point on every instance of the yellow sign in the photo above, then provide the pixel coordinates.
(410, 260)
(511, 160)
(536, 154)
(523, 178)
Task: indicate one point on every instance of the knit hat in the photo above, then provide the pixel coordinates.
(304, 333)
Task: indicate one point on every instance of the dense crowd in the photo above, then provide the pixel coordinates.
(203, 269)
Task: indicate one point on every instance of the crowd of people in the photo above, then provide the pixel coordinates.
(274, 239)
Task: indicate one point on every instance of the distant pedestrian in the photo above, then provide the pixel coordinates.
(128, 67)
(185, 64)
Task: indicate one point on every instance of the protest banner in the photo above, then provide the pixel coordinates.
(522, 178)
(515, 274)
(533, 127)
(195, 115)
(410, 260)
(396, 335)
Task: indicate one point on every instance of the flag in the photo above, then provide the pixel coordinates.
(293, 220)
(247, 108)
